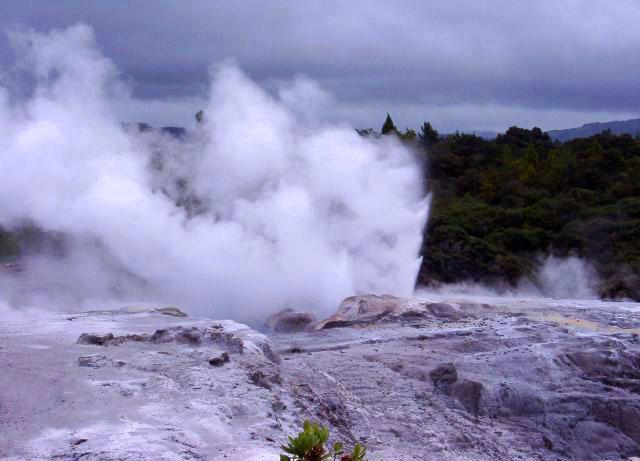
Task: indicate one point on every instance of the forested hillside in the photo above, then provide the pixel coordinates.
(499, 205)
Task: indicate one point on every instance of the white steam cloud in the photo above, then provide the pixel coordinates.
(569, 277)
(561, 278)
(276, 208)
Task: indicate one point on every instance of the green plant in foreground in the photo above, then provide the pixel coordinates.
(310, 445)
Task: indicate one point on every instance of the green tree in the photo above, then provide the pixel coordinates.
(365, 132)
(408, 135)
(389, 127)
(531, 157)
(530, 165)
(428, 135)
(554, 169)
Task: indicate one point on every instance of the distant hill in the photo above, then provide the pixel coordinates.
(484, 134)
(631, 127)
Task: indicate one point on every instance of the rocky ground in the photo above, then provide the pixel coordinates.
(412, 380)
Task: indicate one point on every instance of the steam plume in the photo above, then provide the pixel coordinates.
(261, 207)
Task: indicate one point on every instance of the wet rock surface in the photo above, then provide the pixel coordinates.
(136, 386)
(429, 380)
(467, 380)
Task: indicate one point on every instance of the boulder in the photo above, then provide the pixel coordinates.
(514, 400)
(443, 376)
(264, 379)
(172, 311)
(469, 394)
(289, 321)
(99, 340)
(219, 361)
(371, 308)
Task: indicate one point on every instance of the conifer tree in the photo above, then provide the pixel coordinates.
(388, 126)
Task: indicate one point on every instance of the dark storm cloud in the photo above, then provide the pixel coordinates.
(574, 56)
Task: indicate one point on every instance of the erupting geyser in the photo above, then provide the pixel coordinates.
(261, 206)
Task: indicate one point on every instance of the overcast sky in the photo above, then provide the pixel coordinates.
(465, 65)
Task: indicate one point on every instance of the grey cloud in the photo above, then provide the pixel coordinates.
(573, 56)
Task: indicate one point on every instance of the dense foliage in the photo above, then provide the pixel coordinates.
(499, 205)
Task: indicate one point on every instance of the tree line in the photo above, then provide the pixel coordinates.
(500, 205)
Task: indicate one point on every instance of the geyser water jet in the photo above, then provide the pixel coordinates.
(261, 207)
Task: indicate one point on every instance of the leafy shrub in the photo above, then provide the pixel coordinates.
(311, 445)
